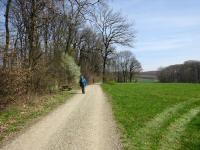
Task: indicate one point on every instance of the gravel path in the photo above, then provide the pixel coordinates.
(84, 123)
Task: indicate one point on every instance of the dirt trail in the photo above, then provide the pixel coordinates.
(84, 123)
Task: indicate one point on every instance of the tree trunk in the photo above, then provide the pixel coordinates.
(130, 79)
(46, 39)
(124, 76)
(69, 40)
(7, 33)
(33, 54)
(104, 69)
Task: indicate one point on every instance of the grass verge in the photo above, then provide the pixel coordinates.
(17, 116)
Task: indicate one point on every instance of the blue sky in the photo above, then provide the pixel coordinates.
(168, 31)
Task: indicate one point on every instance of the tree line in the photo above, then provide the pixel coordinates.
(123, 67)
(48, 43)
(189, 72)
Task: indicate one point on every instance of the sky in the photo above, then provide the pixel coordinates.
(167, 31)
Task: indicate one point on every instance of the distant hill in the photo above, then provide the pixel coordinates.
(149, 75)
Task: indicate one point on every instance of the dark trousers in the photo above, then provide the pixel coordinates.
(83, 89)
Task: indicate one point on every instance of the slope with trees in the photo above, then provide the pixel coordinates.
(189, 72)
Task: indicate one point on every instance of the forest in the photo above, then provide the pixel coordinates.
(189, 72)
(47, 44)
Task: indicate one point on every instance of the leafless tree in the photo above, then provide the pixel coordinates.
(88, 54)
(113, 29)
(124, 61)
(123, 66)
(134, 68)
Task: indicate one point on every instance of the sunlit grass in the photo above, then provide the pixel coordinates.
(146, 112)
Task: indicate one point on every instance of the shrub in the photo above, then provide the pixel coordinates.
(13, 83)
(63, 70)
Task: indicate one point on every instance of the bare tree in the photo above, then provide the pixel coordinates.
(113, 29)
(123, 66)
(124, 61)
(129, 65)
(88, 53)
(134, 68)
(75, 14)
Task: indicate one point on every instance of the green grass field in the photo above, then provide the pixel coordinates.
(157, 116)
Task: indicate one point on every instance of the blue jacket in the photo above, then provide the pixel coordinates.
(83, 82)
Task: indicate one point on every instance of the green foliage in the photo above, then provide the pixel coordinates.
(71, 68)
(63, 70)
(148, 114)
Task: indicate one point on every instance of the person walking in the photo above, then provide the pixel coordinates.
(83, 83)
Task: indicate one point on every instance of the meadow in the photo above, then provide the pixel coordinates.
(157, 116)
